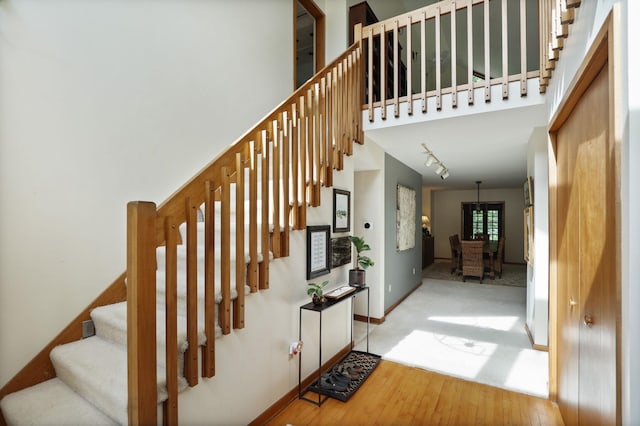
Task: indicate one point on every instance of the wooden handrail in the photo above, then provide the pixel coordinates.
(285, 159)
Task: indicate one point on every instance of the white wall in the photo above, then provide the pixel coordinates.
(336, 23)
(537, 318)
(368, 195)
(589, 19)
(446, 218)
(105, 102)
(630, 226)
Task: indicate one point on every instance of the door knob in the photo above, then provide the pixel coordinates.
(572, 302)
(588, 320)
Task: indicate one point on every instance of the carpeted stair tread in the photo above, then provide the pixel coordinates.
(51, 403)
(111, 324)
(97, 370)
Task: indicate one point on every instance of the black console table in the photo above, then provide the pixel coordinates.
(320, 309)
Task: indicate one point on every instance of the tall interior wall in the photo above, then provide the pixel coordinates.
(403, 269)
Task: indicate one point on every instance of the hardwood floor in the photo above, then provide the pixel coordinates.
(395, 394)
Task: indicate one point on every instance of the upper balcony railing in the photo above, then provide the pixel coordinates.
(449, 47)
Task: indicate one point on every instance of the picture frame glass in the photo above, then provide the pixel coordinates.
(341, 210)
(318, 251)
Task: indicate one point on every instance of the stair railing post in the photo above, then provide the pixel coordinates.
(141, 313)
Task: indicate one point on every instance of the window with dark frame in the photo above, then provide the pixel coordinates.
(483, 218)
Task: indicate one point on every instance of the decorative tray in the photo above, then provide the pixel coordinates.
(340, 292)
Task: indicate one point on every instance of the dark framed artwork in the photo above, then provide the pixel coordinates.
(318, 251)
(341, 210)
(340, 251)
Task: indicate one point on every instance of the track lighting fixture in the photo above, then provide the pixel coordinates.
(441, 169)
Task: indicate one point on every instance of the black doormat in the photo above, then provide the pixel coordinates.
(367, 361)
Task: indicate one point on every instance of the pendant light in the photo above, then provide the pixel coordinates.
(478, 182)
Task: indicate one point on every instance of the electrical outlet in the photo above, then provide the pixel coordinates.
(389, 288)
(414, 271)
(295, 348)
(88, 329)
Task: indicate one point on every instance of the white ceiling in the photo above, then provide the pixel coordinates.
(491, 147)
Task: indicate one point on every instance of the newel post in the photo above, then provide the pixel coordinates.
(141, 313)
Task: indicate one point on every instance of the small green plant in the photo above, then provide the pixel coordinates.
(315, 289)
(362, 262)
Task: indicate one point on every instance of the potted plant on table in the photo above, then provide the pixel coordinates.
(316, 292)
(357, 275)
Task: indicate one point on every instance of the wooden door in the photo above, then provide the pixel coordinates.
(586, 220)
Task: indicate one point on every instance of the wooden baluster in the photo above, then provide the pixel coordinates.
(275, 191)
(264, 227)
(350, 96)
(409, 66)
(331, 114)
(191, 355)
(208, 350)
(302, 163)
(170, 406)
(487, 55)
(423, 62)
(286, 189)
(523, 48)
(252, 272)
(370, 95)
(505, 52)
(295, 164)
(470, 84)
(326, 128)
(360, 95)
(340, 116)
(309, 151)
(238, 303)
(224, 308)
(383, 73)
(438, 63)
(454, 58)
(317, 153)
(141, 313)
(396, 107)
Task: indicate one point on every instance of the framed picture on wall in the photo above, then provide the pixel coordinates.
(405, 218)
(528, 192)
(341, 210)
(340, 251)
(318, 251)
(528, 235)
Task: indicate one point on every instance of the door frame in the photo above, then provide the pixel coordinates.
(606, 48)
(320, 35)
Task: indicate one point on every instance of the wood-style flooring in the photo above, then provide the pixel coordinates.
(395, 394)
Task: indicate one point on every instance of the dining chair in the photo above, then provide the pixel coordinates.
(472, 259)
(456, 254)
(499, 258)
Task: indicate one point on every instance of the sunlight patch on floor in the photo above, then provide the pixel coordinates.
(503, 323)
(529, 373)
(448, 354)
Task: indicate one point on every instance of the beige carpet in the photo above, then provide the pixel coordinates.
(512, 274)
(475, 332)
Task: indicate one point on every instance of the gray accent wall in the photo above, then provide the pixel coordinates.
(403, 270)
